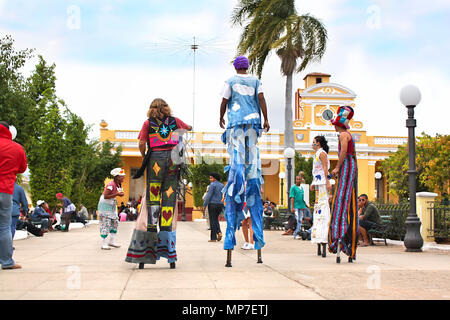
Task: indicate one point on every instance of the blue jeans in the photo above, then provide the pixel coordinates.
(300, 214)
(13, 225)
(6, 248)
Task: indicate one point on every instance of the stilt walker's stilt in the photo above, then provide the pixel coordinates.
(324, 250)
(338, 258)
(228, 265)
(350, 260)
(141, 266)
(172, 265)
(319, 251)
(259, 256)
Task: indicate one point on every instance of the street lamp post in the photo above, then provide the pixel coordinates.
(378, 176)
(183, 218)
(410, 97)
(289, 154)
(282, 175)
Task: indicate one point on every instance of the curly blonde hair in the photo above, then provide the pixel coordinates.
(159, 109)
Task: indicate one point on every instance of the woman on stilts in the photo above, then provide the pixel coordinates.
(161, 132)
(321, 183)
(344, 226)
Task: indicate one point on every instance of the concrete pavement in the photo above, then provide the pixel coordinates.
(72, 266)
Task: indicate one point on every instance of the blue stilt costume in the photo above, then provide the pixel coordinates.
(241, 99)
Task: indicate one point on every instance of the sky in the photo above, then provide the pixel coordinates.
(114, 57)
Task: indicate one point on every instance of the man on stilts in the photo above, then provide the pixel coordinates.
(243, 101)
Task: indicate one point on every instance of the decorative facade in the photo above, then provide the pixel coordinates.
(315, 106)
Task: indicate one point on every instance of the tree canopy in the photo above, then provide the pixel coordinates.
(61, 157)
(432, 166)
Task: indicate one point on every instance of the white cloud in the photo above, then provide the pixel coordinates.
(121, 92)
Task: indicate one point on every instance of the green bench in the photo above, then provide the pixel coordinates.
(380, 231)
(279, 222)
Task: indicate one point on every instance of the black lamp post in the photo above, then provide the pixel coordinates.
(378, 176)
(410, 97)
(289, 154)
(183, 216)
(282, 175)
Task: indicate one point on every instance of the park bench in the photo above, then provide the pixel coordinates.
(380, 231)
(279, 223)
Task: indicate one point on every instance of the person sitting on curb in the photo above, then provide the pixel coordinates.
(39, 215)
(28, 226)
(369, 218)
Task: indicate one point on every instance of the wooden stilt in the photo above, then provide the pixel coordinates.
(228, 265)
(259, 256)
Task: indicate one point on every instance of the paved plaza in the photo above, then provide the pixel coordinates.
(72, 266)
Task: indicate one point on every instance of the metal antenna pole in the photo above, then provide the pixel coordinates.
(194, 47)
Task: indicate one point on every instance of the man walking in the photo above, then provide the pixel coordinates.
(12, 161)
(213, 201)
(298, 204)
(20, 203)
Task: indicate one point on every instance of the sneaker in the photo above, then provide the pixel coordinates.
(105, 247)
(250, 246)
(245, 246)
(297, 237)
(114, 245)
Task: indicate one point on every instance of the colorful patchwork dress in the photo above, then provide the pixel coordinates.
(155, 234)
(344, 226)
(321, 218)
(244, 177)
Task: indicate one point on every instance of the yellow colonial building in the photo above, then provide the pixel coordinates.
(315, 106)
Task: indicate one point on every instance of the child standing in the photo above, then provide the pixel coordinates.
(107, 208)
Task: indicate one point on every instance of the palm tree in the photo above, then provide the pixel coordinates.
(275, 25)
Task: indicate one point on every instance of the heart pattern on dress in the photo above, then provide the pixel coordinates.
(155, 190)
(167, 214)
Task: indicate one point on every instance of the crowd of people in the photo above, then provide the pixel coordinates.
(334, 222)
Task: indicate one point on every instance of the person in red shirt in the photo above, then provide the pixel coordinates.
(161, 133)
(12, 161)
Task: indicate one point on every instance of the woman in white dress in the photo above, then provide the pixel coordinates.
(321, 183)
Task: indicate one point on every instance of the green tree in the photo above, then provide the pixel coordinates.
(305, 165)
(61, 158)
(48, 161)
(200, 178)
(434, 157)
(297, 40)
(15, 105)
(432, 166)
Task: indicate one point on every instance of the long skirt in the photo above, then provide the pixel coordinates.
(344, 226)
(244, 184)
(158, 211)
(321, 217)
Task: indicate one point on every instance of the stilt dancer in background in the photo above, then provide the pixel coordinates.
(321, 183)
(344, 226)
